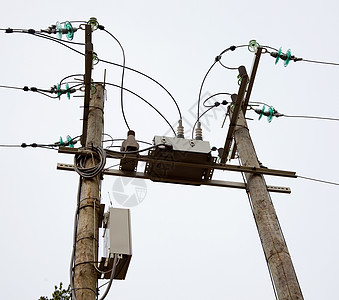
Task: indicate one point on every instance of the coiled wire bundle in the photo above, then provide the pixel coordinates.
(88, 153)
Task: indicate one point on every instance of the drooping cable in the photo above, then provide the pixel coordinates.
(108, 62)
(136, 151)
(214, 95)
(148, 77)
(201, 87)
(216, 104)
(143, 99)
(122, 73)
(217, 59)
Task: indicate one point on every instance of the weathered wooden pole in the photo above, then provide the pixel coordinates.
(86, 256)
(276, 252)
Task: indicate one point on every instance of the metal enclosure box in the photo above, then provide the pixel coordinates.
(117, 241)
(171, 152)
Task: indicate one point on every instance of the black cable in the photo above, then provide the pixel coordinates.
(40, 34)
(147, 76)
(35, 145)
(318, 180)
(69, 77)
(116, 140)
(217, 94)
(320, 62)
(217, 59)
(122, 75)
(52, 39)
(277, 114)
(10, 87)
(269, 47)
(135, 94)
(115, 64)
(44, 92)
(201, 87)
(136, 151)
(61, 42)
(232, 48)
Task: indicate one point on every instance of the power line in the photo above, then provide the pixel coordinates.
(122, 74)
(214, 95)
(143, 99)
(311, 117)
(34, 33)
(318, 180)
(148, 77)
(274, 113)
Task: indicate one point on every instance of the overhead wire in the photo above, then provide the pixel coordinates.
(61, 42)
(320, 62)
(217, 59)
(318, 180)
(122, 73)
(278, 114)
(310, 117)
(148, 77)
(143, 99)
(214, 95)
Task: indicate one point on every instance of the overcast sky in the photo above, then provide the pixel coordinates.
(188, 242)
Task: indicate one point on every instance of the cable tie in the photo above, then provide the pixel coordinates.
(9, 30)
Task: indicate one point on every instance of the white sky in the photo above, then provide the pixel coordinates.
(188, 242)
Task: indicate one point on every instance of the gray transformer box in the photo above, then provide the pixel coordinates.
(171, 151)
(117, 241)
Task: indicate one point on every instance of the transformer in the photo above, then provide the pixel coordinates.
(168, 161)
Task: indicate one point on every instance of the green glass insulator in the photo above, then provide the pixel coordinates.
(67, 91)
(288, 57)
(95, 58)
(271, 113)
(262, 112)
(59, 30)
(93, 89)
(253, 46)
(58, 90)
(70, 30)
(94, 23)
(61, 142)
(70, 142)
(278, 57)
(239, 79)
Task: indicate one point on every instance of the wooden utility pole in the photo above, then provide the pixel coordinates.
(86, 256)
(275, 249)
